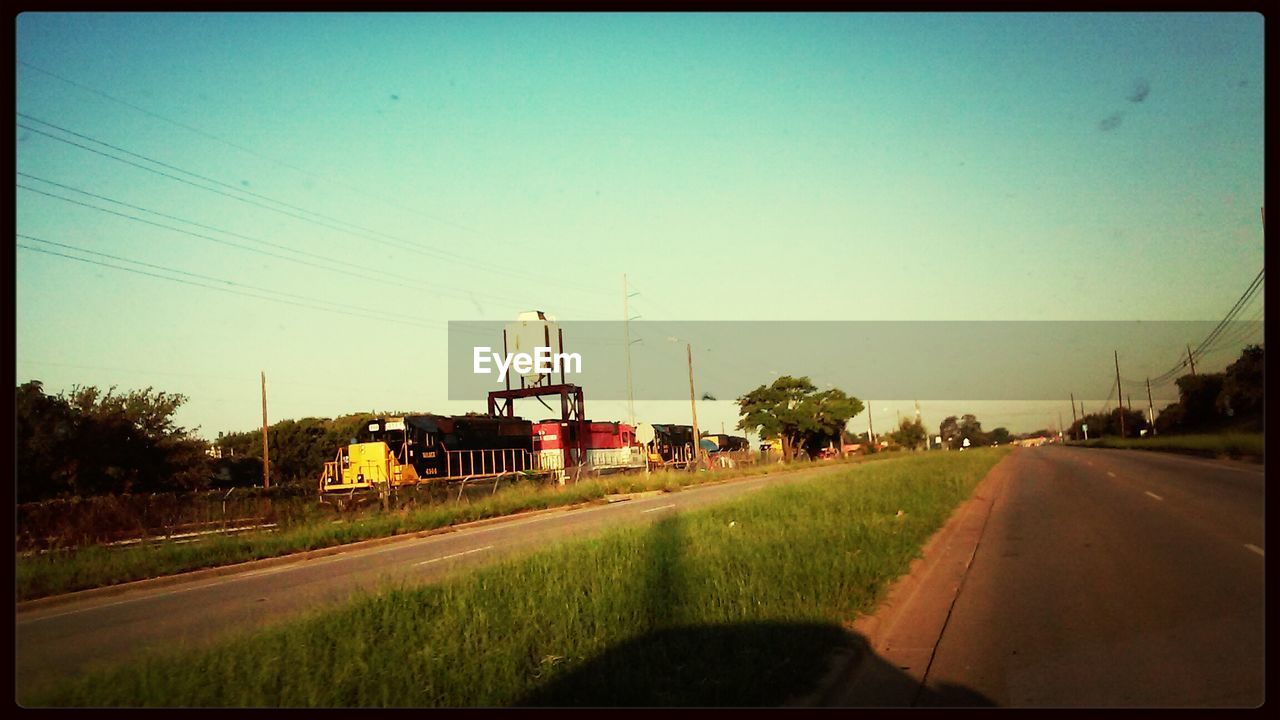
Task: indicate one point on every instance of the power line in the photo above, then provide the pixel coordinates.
(1230, 342)
(216, 191)
(361, 232)
(169, 166)
(374, 315)
(242, 148)
(1235, 309)
(180, 230)
(183, 272)
(345, 266)
(229, 378)
(1241, 302)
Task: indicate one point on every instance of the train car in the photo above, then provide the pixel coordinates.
(610, 446)
(728, 443)
(672, 444)
(411, 449)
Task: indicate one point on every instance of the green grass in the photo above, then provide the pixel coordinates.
(1236, 445)
(96, 566)
(738, 604)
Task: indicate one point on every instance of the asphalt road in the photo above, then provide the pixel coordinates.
(1109, 578)
(57, 642)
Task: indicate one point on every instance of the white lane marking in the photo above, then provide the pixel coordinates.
(179, 591)
(25, 621)
(348, 555)
(1110, 474)
(1154, 495)
(301, 565)
(664, 507)
(1255, 548)
(449, 557)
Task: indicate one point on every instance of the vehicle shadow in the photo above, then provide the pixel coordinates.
(744, 665)
(676, 663)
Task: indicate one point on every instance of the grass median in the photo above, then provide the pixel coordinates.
(735, 605)
(91, 567)
(1248, 446)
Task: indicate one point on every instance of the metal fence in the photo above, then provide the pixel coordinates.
(125, 519)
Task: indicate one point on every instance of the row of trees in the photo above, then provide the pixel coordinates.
(90, 442)
(298, 449)
(87, 442)
(1207, 402)
(804, 419)
(955, 431)
(911, 433)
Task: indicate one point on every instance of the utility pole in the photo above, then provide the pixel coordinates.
(871, 431)
(1073, 410)
(926, 435)
(266, 458)
(626, 333)
(1119, 390)
(1151, 409)
(1191, 359)
(693, 405)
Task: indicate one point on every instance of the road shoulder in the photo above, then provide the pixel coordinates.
(903, 631)
(165, 581)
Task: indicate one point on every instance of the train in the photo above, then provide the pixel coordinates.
(671, 444)
(392, 452)
(407, 450)
(610, 446)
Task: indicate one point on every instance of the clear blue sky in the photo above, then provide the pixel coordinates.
(736, 167)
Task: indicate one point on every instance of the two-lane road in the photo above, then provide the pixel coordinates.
(1114, 578)
(63, 640)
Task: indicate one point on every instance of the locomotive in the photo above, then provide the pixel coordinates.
(671, 444)
(396, 451)
(727, 443)
(416, 448)
(610, 446)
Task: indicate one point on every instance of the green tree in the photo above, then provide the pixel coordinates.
(949, 429)
(792, 410)
(1241, 396)
(910, 434)
(971, 430)
(299, 448)
(1001, 435)
(44, 435)
(1171, 419)
(1198, 396)
(88, 442)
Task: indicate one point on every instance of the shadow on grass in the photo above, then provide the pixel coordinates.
(755, 664)
(744, 665)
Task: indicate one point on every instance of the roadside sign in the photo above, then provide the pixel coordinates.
(966, 442)
(938, 439)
